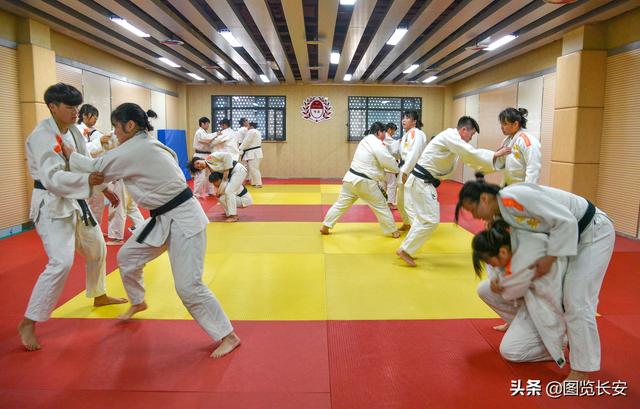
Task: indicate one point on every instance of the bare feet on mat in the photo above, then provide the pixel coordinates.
(395, 234)
(405, 227)
(228, 344)
(231, 219)
(134, 309)
(406, 257)
(104, 299)
(27, 331)
(324, 230)
(577, 376)
(258, 186)
(114, 242)
(502, 328)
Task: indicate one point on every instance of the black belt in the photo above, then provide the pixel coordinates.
(87, 217)
(420, 172)
(250, 149)
(244, 192)
(203, 152)
(584, 221)
(362, 175)
(401, 163)
(182, 197)
(231, 170)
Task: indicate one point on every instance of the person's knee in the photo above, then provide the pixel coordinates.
(512, 352)
(484, 290)
(61, 262)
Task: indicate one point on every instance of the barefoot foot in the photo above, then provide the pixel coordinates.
(324, 230)
(395, 234)
(406, 257)
(577, 376)
(134, 309)
(231, 219)
(228, 344)
(502, 328)
(104, 299)
(114, 242)
(405, 227)
(27, 331)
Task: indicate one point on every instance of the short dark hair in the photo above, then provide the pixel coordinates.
(468, 123)
(191, 165)
(225, 121)
(242, 120)
(87, 109)
(215, 176)
(471, 192)
(253, 125)
(204, 120)
(391, 125)
(131, 112)
(63, 93)
(375, 128)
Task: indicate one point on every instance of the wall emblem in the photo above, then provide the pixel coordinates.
(316, 109)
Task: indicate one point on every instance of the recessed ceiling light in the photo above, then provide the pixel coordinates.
(347, 77)
(411, 69)
(335, 57)
(347, 2)
(169, 62)
(397, 36)
(125, 24)
(230, 38)
(430, 79)
(195, 76)
(502, 41)
(264, 78)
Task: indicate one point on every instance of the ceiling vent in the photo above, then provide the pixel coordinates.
(172, 42)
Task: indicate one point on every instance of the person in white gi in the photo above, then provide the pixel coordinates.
(251, 152)
(437, 163)
(225, 140)
(524, 162)
(118, 215)
(242, 130)
(227, 176)
(61, 216)
(361, 182)
(178, 224)
(535, 328)
(390, 182)
(97, 143)
(202, 146)
(411, 146)
(577, 230)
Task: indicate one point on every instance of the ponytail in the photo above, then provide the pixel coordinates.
(487, 244)
(131, 112)
(471, 191)
(152, 114)
(512, 115)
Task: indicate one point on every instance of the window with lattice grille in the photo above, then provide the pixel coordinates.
(364, 111)
(269, 112)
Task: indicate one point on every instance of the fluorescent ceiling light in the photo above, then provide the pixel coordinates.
(347, 2)
(347, 77)
(430, 79)
(264, 78)
(125, 24)
(502, 41)
(220, 75)
(397, 36)
(168, 62)
(230, 38)
(410, 69)
(195, 76)
(335, 58)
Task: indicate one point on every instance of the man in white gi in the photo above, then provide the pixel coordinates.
(524, 162)
(202, 146)
(118, 215)
(225, 140)
(178, 224)
(437, 162)
(391, 179)
(62, 217)
(361, 182)
(411, 146)
(251, 152)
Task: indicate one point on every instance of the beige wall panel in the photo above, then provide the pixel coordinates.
(546, 126)
(578, 132)
(14, 192)
(619, 176)
(491, 104)
(97, 92)
(33, 80)
(579, 178)
(172, 112)
(122, 92)
(69, 75)
(472, 109)
(530, 98)
(158, 104)
(458, 110)
(581, 77)
(623, 29)
(9, 25)
(314, 150)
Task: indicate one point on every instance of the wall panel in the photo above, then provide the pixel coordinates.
(97, 92)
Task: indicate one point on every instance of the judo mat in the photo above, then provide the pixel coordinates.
(333, 321)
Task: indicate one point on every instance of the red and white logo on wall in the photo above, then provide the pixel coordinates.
(316, 109)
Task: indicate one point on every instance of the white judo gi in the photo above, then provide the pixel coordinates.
(57, 217)
(232, 193)
(251, 153)
(533, 308)
(439, 158)
(226, 142)
(555, 212)
(391, 179)
(118, 215)
(202, 149)
(152, 176)
(371, 159)
(411, 146)
(95, 148)
(523, 164)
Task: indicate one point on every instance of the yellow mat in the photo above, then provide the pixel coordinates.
(296, 194)
(288, 271)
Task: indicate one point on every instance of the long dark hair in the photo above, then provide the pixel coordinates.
(512, 114)
(487, 244)
(472, 190)
(415, 116)
(191, 165)
(131, 112)
(87, 109)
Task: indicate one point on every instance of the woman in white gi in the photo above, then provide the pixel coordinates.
(437, 163)
(523, 164)
(535, 329)
(251, 152)
(391, 179)
(232, 194)
(577, 230)
(225, 140)
(62, 217)
(411, 146)
(361, 182)
(202, 146)
(178, 224)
